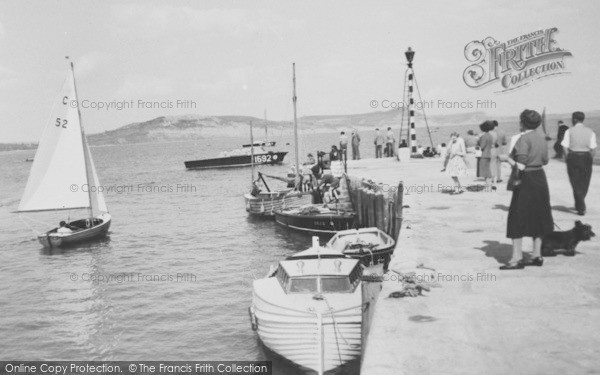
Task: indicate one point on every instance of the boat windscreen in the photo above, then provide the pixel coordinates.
(303, 285)
(336, 285)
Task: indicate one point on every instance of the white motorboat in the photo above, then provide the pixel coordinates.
(309, 309)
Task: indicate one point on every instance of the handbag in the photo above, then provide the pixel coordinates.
(514, 181)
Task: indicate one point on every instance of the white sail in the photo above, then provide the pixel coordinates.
(96, 196)
(58, 177)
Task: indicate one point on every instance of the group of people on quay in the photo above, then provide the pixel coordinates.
(385, 145)
(530, 213)
(526, 153)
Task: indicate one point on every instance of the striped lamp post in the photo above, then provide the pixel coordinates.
(410, 54)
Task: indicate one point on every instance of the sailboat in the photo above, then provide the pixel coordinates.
(63, 176)
(265, 142)
(266, 203)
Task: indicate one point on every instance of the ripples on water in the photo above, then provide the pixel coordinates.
(206, 233)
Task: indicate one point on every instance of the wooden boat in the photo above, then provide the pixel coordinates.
(309, 309)
(369, 245)
(239, 158)
(265, 203)
(63, 175)
(317, 219)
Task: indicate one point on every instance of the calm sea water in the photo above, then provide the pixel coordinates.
(120, 298)
(62, 305)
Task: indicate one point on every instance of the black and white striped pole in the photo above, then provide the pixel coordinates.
(410, 54)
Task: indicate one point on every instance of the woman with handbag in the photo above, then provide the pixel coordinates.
(530, 214)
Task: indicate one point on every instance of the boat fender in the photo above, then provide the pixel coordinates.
(253, 320)
(88, 223)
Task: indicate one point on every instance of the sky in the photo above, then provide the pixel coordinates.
(235, 57)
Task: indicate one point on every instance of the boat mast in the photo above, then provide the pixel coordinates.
(266, 128)
(85, 154)
(295, 99)
(251, 155)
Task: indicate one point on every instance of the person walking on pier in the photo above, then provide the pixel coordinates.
(390, 143)
(456, 165)
(560, 135)
(343, 146)
(579, 146)
(355, 145)
(378, 141)
(529, 214)
(486, 144)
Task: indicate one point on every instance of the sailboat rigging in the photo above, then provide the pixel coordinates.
(266, 203)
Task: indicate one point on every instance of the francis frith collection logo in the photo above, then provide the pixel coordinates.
(515, 63)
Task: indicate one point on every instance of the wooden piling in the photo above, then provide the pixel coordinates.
(375, 207)
(380, 210)
(371, 209)
(398, 211)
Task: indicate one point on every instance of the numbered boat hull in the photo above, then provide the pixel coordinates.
(269, 158)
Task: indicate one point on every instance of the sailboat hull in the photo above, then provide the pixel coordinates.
(325, 224)
(266, 204)
(53, 239)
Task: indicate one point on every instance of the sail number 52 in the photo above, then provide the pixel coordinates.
(61, 122)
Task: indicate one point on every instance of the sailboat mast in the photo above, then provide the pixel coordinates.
(251, 154)
(295, 99)
(266, 127)
(85, 154)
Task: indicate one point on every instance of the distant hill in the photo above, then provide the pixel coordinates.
(176, 128)
(192, 127)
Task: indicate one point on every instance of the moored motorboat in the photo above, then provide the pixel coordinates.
(239, 158)
(309, 309)
(369, 245)
(316, 219)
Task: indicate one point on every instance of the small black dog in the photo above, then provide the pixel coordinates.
(566, 240)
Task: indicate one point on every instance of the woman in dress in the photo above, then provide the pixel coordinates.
(486, 144)
(456, 161)
(530, 214)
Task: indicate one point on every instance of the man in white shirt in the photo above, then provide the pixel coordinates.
(579, 145)
(63, 229)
